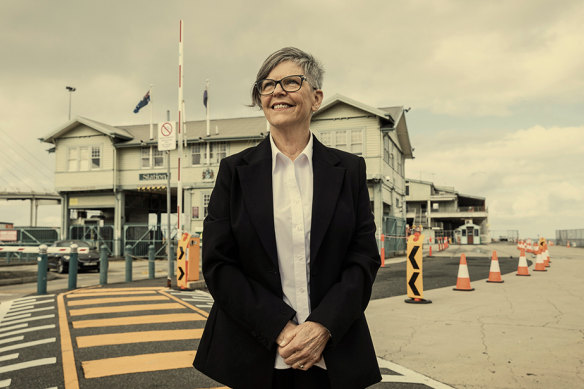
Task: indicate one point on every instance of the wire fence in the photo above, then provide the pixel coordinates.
(572, 238)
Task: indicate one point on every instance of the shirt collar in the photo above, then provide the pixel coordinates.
(307, 152)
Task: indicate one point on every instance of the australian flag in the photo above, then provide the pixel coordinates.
(142, 103)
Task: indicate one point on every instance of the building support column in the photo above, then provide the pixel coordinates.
(188, 210)
(64, 233)
(119, 219)
(378, 208)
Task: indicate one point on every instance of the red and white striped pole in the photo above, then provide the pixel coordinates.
(179, 194)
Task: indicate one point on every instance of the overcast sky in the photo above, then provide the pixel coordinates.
(496, 88)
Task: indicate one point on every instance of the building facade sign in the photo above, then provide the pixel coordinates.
(153, 176)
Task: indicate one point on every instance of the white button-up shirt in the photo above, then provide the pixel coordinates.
(292, 188)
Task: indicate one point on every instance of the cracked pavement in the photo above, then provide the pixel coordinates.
(527, 332)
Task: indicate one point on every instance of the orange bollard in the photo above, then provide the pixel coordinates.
(382, 251)
(495, 271)
(522, 268)
(539, 264)
(463, 280)
(430, 254)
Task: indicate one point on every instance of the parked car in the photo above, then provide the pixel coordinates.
(85, 261)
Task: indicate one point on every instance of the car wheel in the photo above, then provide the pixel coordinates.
(61, 267)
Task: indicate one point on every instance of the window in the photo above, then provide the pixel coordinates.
(386, 148)
(95, 157)
(73, 159)
(219, 150)
(84, 158)
(157, 157)
(357, 142)
(407, 190)
(152, 157)
(145, 157)
(346, 140)
(196, 154)
(206, 198)
(341, 140)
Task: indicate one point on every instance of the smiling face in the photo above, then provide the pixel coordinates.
(290, 111)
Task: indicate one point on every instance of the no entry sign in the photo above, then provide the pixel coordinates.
(166, 136)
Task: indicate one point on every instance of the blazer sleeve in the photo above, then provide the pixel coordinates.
(348, 298)
(246, 301)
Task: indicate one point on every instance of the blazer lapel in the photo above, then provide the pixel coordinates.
(256, 185)
(328, 180)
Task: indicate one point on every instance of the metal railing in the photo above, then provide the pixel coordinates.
(27, 236)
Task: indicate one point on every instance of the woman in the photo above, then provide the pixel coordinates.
(290, 254)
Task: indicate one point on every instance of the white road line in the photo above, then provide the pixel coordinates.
(14, 339)
(5, 383)
(25, 365)
(408, 376)
(25, 303)
(33, 298)
(27, 320)
(11, 313)
(8, 357)
(28, 344)
(13, 327)
(22, 316)
(25, 307)
(31, 329)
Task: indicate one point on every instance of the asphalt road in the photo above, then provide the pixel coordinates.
(80, 316)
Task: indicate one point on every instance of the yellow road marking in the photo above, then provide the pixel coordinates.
(124, 308)
(68, 357)
(132, 320)
(137, 337)
(100, 289)
(106, 293)
(110, 300)
(138, 364)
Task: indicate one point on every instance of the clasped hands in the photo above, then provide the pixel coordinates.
(301, 345)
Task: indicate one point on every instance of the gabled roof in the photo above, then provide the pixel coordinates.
(392, 118)
(105, 129)
(337, 98)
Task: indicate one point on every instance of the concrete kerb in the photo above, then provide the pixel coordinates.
(525, 333)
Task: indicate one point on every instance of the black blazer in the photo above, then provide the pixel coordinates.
(240, 266)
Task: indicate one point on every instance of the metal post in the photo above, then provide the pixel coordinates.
(128, 263)
(151, 266)
(73, 257)
(103, 265)
(42, 270)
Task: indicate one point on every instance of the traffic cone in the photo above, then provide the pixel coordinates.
(430, 253)
(522, 269)
(463, 280)
(539, 264)
(495, 271)
(546, 257)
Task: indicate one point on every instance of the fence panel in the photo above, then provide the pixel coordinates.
(574, 237)
(394, 230)
(140, 236)
(99, 234)
(27, 236)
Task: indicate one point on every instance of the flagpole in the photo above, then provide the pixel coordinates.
(151, 128)
(208, 146)
(180, 134)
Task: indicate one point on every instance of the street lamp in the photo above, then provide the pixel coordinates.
(71, 90)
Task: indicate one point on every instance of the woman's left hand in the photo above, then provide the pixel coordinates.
(305, 348)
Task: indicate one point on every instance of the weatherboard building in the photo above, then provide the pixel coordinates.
(112, 179)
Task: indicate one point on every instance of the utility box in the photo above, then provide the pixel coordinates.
(188, 258)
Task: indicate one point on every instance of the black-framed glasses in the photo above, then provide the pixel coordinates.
(289, 84)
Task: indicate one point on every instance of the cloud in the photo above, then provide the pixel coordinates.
(531, 178)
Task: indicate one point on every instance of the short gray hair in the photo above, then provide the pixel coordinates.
(312, 68)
